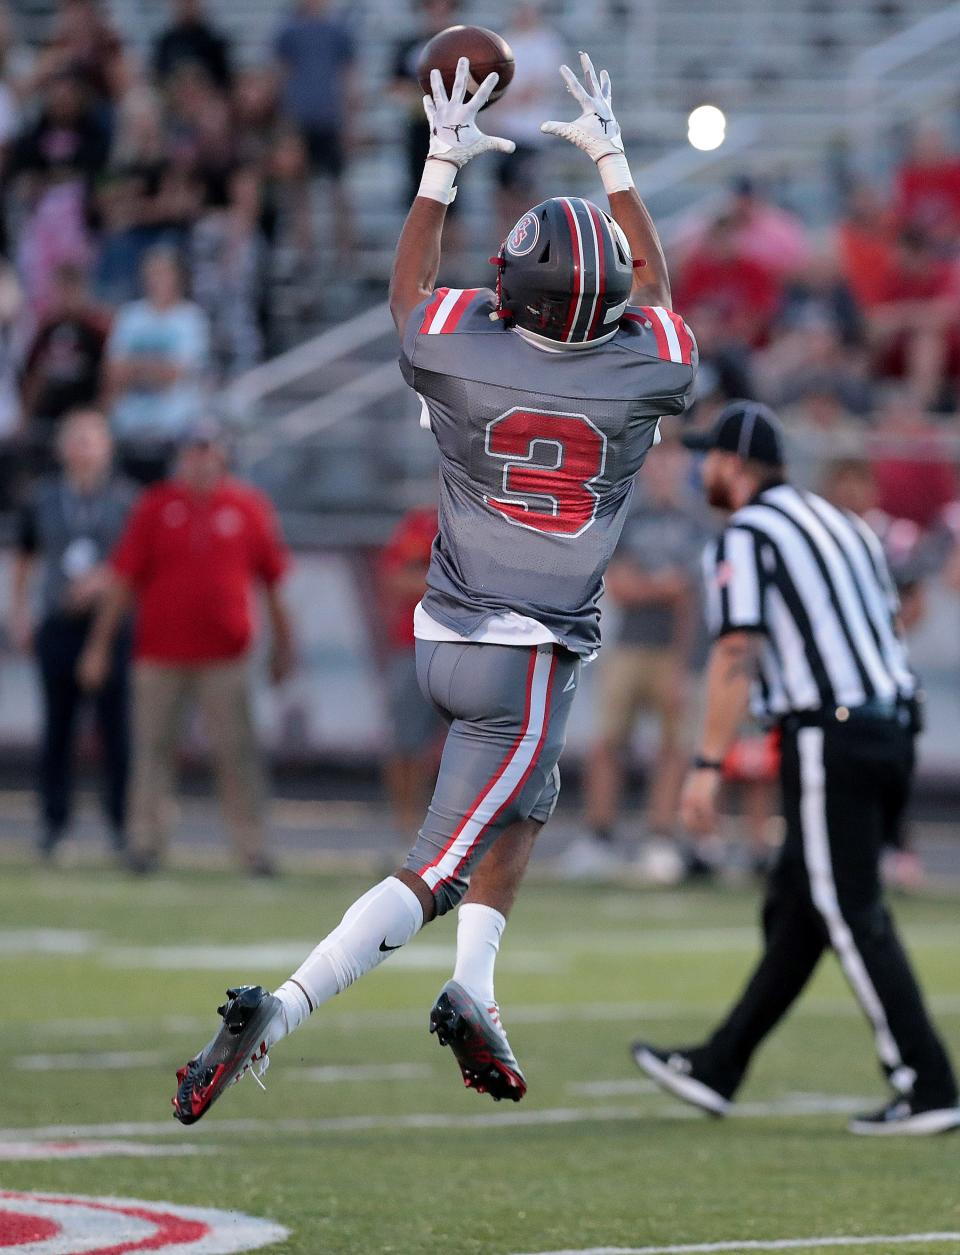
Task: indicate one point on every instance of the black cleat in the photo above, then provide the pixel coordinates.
(676, 1071)
(904, 1117)
(235, 1047)
(475, 1035)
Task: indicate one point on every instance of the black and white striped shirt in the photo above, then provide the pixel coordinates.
(813, 579)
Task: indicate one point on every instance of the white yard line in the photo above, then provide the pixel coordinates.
(790, 1106)
(335, 1075)
(31, 942)
(283, 955)
(879, 1241)
(16, 1152)
(94, 1061)
(532, 1013)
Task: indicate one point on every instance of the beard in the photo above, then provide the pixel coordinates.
(718, 495)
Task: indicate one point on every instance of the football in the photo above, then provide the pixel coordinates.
(486, 51)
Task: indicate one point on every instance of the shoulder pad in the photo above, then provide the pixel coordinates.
(659, 332)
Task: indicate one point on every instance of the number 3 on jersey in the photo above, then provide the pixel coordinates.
(549, 463)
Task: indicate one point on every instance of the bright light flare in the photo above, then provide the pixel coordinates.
(706, 127)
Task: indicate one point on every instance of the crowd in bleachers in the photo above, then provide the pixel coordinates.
(152, 209)
(152, 204)
(148, 207)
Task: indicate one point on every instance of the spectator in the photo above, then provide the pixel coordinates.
(653, 579)
(415, 725)
(927, 188)
(203, 139)
(63, 364)
(69, 525)
(254, 101)
(228, 260)
(743, 293)
(11, 302)
(189, 561)
(820, 293)
(436, 15)
(810, 361)
(912, 322)
(190, 39)
(53, 164)
(145, 198)
(316, 55)
(157, 355)
(865, 239)
(9, 105)
(912, 464)
(537, 50)
(85, 43)
(769, 237)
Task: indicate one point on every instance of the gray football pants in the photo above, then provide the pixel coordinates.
(507, 708)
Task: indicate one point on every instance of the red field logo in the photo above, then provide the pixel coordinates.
(57, 1224)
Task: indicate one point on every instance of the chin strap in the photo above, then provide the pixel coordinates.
(499, 262)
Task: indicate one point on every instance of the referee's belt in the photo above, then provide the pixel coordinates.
(907, 712)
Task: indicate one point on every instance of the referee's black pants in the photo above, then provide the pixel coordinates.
(844, 790)
(58, 644)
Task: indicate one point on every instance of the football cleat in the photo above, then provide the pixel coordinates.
(904, 1117)
(236, 1046)
(676, 1072)
(475, 1035)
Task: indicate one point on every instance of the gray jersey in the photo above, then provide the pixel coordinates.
(71, 532)
(538, 453)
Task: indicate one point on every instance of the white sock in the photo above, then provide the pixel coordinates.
(383, 920)
(479, 929)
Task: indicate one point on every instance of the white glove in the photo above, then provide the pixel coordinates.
(596, 131)
(455, 137)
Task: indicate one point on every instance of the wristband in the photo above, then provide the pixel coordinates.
(615, 173)
(436, 183)
(706, 764)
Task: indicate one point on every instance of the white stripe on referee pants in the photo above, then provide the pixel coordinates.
(823, 890)
(505, 782)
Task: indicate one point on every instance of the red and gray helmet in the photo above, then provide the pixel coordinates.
(565, 272)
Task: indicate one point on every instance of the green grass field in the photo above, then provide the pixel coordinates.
(366, 1140)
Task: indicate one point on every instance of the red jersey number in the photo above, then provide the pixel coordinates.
(550, 462)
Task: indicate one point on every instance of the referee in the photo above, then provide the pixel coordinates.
(804, 616)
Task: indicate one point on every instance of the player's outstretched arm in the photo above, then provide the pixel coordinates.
(455, 139)
(597, 132)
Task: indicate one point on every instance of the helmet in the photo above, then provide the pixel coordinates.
(565, 272)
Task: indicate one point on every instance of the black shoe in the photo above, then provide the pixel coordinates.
(905, 1117)
(139, 864)
(475, 1035)
(237, 1044)
(677, 1072)
(262, 868)
(48, 842)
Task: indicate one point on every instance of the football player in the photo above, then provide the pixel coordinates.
(544, 396)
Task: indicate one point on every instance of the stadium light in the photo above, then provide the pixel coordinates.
(706, 127)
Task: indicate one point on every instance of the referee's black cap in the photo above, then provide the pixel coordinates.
(749, 429)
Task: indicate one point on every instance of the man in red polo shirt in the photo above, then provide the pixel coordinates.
(192, 554)
(415, 726)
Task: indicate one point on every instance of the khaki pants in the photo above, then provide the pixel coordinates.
(638, 678)
(161, 694)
